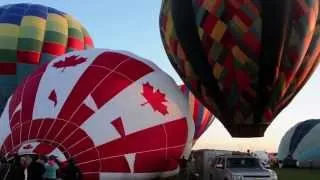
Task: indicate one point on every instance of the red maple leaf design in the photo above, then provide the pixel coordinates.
(155, 99)
(29, 146)
(69, 62)
(53, 97)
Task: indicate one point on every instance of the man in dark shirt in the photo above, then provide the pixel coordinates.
(36, 169)
(72, 171)
(15, 169)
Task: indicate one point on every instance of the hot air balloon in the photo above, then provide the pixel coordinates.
(30, 35)
(244, 60)
(42, 149)
(202, 117)
(301, 143)
(117, 115)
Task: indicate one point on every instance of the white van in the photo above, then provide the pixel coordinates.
(263, 157)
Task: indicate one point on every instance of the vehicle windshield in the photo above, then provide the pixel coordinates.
(243, 163)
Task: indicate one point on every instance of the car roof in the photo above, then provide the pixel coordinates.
(235, 156)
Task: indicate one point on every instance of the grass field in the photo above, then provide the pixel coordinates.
(283, 174)
(298, 174)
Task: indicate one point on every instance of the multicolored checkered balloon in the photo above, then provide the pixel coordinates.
(32, 34)
(245, 60)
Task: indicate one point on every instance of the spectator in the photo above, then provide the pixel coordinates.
(15, 170)
(36, 169)
(72, 171)
(248, 152)
(51, 169)
(4, 170)
(59, 176)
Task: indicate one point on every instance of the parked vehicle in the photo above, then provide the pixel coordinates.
(289, 162)
(263, 157)
(274, 162)
(240, 167)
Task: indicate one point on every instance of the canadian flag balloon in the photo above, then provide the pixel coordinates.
(117, 115)
(42, 148)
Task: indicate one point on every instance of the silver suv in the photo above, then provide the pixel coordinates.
(239, 167)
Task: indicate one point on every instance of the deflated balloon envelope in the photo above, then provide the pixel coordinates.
(202, 117)
(117, 115)
(244, 60)
(33, 34)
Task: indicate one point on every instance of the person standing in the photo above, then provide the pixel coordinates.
(4, 168)
(51, 169)
(248, 152)
(35, 169)
(71, 171)
(15, 169)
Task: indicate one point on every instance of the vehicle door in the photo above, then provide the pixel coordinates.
(219, 169)
(213, 169)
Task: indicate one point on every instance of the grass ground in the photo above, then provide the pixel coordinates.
(283, 174)
(298, 174)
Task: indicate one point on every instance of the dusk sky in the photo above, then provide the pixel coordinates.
(133, 26)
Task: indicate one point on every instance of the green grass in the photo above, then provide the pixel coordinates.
(298, 174)
(283, 174)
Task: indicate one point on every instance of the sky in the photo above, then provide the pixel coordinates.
(134, 26)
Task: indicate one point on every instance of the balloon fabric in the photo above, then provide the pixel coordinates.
(245, 60)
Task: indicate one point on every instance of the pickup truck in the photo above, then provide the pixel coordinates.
(240, 167)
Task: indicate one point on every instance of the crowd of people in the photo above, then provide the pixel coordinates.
(34, 167)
